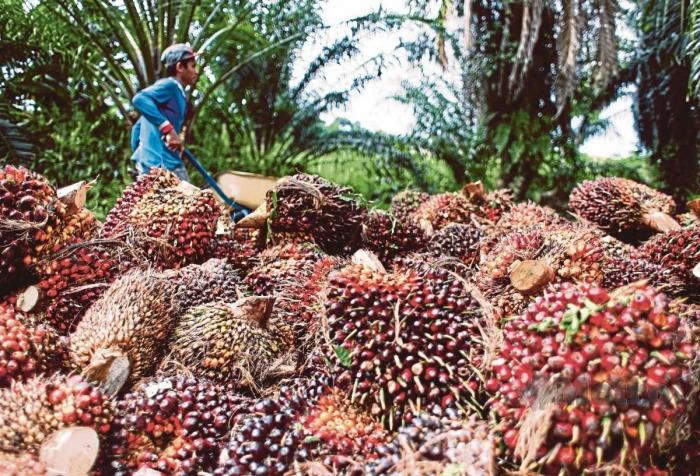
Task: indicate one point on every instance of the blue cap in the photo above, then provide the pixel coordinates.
(173, 54)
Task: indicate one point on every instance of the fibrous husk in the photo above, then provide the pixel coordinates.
(133, 318)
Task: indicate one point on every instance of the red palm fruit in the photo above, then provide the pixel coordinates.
(331, 213)
(388, 237)
(279, 265)
(240, 246)
(26, 348)
(173, 425)
(407, 340)
(622, 207)
(403, 204)
(679, 252)
(490, 206)
(30, 411)
(458, 241)
(145, 185)
(608, 374)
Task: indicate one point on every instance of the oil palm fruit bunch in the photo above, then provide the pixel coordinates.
(30, 411)
(632, 267)
(408, 341)
(331, 213)
(123, 334)
(403, 204)
(387, 237)
(214, 280)
(73, 279)
(240, 246)
(490, 206)
(585, 378)
(173, 425)
(679, 252)
(281, 238)
(443, 209)
(173, 226)
(458, 240)
(64, 228)
(26, 202)
(622, 207)
(145, 185)
(26, 348)
(228, 342)
(281, 264)
(436, 446)
(22, 464)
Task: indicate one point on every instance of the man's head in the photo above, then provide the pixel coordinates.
(180, 61)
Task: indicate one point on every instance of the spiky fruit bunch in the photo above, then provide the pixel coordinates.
(407, 340)
(239, 246)
(459, 241)
(403, 204)
(688, 220)
(430, 445)
(571, 253)
(65, 227)
(279, 265)
(173, 425)
(443, 209)
(281, 238)
(388, 237)
(343, 430)
(26, 348)
(26, 202)
(489, 206)
(620, 206)
(132, 319)
(331, 213)
(30, 411)
(174, 226)
(155, 179)
(629, 268)
(231, 341)
(585, 378)
(678, 251)
(23, 464)
(214, 280)
(75, 278)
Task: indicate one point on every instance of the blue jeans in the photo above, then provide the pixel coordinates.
(180, 172)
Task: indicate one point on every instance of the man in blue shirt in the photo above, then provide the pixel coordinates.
(155, 136)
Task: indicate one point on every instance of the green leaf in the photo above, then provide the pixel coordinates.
(343, 355)
(312, 439)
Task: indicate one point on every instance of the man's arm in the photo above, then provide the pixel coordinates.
(147, 100)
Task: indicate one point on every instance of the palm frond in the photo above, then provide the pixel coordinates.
(607, 44)
(14, 145)
(567, 49)
(529, 34)
(693, 50)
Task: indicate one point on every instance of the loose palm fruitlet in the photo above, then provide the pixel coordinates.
(332, 214)
(26, 348)
(436, 446)
(586, 378)
(173, 425)
(173, 226)
(231, 342)
(622, 207)
(128, 326)
(408, 341)
(30, 411)
(388, 237)
(26, 202)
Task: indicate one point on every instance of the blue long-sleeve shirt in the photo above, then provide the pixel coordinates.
(161, 103)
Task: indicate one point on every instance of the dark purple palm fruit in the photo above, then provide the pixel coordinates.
(403, 204)
(280, 265)
(388, 238)
(585, 379)
(679, 252)
(632, 267)
(240, 246)
(331, 213)
(459, 241)
(155, 179)
(214, 280)
(624, 208)
(438, 443)
(26, 202)
(173, 425)
(408, 341)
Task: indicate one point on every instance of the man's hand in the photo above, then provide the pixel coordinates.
(172, 140)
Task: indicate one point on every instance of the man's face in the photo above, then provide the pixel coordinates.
(187, 72)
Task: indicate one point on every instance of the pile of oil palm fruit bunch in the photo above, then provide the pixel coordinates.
(454, 333)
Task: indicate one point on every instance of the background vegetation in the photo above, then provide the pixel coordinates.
(534, 76)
